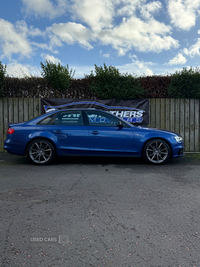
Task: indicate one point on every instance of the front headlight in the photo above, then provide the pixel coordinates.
(178, 138)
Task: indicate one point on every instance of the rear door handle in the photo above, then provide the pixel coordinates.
(95, 132)
(57, 131)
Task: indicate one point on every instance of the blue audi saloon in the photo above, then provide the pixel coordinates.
(89, 132)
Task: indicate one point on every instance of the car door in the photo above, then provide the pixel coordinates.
(70, 133)
(106, 137)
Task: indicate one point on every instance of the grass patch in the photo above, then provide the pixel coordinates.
(194, 156)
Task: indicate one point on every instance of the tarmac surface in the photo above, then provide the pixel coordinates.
(99, 212)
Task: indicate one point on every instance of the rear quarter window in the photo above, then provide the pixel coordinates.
(46, 121)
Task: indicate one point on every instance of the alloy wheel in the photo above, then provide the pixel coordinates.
(40, 152)
(157, 151)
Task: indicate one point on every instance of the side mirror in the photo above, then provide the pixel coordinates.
(120, 124)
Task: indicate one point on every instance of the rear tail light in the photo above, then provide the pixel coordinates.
(10, 131)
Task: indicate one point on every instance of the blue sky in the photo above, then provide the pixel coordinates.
(140, 37)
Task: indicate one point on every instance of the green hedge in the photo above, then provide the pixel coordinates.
(109, 83)
(104, 83)
(2, 77)
(58, 76)
(185, 84)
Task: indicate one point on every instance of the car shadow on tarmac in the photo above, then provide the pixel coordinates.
(193, 159)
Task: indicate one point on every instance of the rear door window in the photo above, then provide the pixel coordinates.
(68, 118)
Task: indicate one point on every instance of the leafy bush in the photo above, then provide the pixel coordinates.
(185, 84)
(156, 86)
(104, 83)
(29, 87)
(26, 87)
(109, 83)
(2, 77)
(58, 76)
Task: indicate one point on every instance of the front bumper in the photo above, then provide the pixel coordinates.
(178, 150)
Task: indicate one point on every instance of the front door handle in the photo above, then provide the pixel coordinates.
(95, 132)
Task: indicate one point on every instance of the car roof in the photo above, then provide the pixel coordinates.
(80, 109)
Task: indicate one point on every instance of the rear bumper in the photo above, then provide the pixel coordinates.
(14, 148)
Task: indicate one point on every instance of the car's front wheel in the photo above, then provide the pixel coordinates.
(41, 152)
(156, 151)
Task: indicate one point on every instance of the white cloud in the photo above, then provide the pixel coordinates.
(106, 55)
(137, 67)
(50, 58)
(129, 7)
(183, 13)
(150, 35)
(44, 46)
(97, 14)
(45, 8)
(81, 70)
(72, 32)
(150, 8)
(15, 69)
(194, 50)
(135, 33)
(23, 29)
(54, 42)
(179, 59)
(100, 25)
(13, 39)
(35, 32)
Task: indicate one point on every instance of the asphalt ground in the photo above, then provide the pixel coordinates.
(100, 212)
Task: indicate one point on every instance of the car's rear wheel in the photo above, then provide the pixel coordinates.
(156, 151)
(41, 152)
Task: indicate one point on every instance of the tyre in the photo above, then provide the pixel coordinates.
(41, 152)
(156, 151)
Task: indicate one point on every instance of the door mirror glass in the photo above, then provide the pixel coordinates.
(120, 124)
